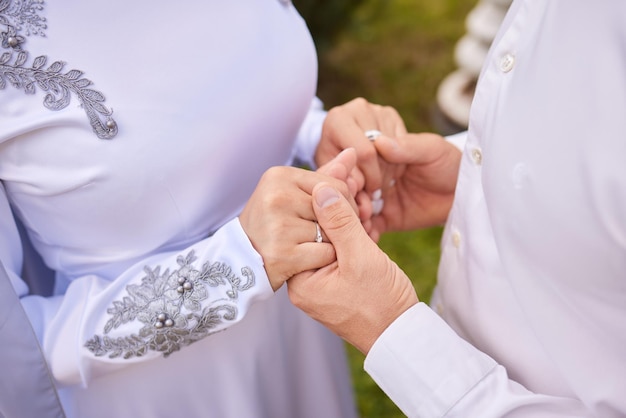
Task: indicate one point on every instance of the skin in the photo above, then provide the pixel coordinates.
(345, 127)
(279, 220)
(425, 182)
(361, 293)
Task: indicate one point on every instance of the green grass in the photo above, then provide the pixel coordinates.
(395, 52)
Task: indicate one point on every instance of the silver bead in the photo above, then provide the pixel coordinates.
(187, 286)
(181, 280)
(169, 323)
(158, 324)
(162, 317)
(111, 124)
(180, 289)
(13, 41)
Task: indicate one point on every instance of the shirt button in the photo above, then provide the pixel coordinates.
(507, 62)
(477, 156)
(456, 239)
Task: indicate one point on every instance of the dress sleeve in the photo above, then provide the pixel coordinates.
(150, 310)
(10, 245)
(309, 135)
(429, 371)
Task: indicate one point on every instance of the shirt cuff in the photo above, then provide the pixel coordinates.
(423, 365)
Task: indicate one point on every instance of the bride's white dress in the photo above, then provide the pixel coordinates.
(131, 135)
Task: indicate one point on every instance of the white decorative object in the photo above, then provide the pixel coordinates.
(456, 91)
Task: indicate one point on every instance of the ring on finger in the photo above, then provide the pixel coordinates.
(372, 134)
(318, 232)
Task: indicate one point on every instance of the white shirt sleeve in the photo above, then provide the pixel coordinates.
(429, 371)
(153, 309)
(310, 134)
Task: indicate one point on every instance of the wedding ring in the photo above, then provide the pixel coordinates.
(318, 232)
(372, 134)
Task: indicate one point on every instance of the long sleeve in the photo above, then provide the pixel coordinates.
(153, 309)
(126, 221)
(309, 134)
(10, 247)
(530, 301)
(127, 169)
(429, 371)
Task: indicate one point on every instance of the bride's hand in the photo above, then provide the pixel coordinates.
(279, 220)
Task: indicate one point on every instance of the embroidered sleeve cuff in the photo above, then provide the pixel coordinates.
(423, 365)
(156, 307)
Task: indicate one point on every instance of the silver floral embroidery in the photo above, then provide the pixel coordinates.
(22, 16)
(169, 307)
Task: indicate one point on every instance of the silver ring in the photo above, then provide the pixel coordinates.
(372, 134)
(318, 232)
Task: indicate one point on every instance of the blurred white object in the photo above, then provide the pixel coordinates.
(456, 91)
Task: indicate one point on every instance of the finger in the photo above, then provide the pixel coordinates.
(364, 201)
(305, 287)
(312, 256)
(378, 225)
(341, 166)
(408, 149)
(291, 248)
(305, 257)
(335, 215)
(391, 125)
(353, 186)
(364, 115)
(390, 122)
(365, 118)
(293, 196)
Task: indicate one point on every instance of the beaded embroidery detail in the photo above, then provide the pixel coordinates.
(23, 17)
(169, 307)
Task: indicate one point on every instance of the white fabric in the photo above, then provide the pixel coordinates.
(533, 266)
(207, 96)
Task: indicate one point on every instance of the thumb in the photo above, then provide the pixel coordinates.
(409, 149)
(337, 218)
(341, 167)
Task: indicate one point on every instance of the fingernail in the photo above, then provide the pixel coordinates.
(377, 206)
(377, 194)
(326, 196)
(393, 142)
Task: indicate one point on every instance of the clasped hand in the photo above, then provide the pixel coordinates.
(362, 292)
(346, 282)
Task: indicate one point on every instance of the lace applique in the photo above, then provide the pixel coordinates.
(169, 307)
(22, 17)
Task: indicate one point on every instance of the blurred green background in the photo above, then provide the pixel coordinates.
(392, 52)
